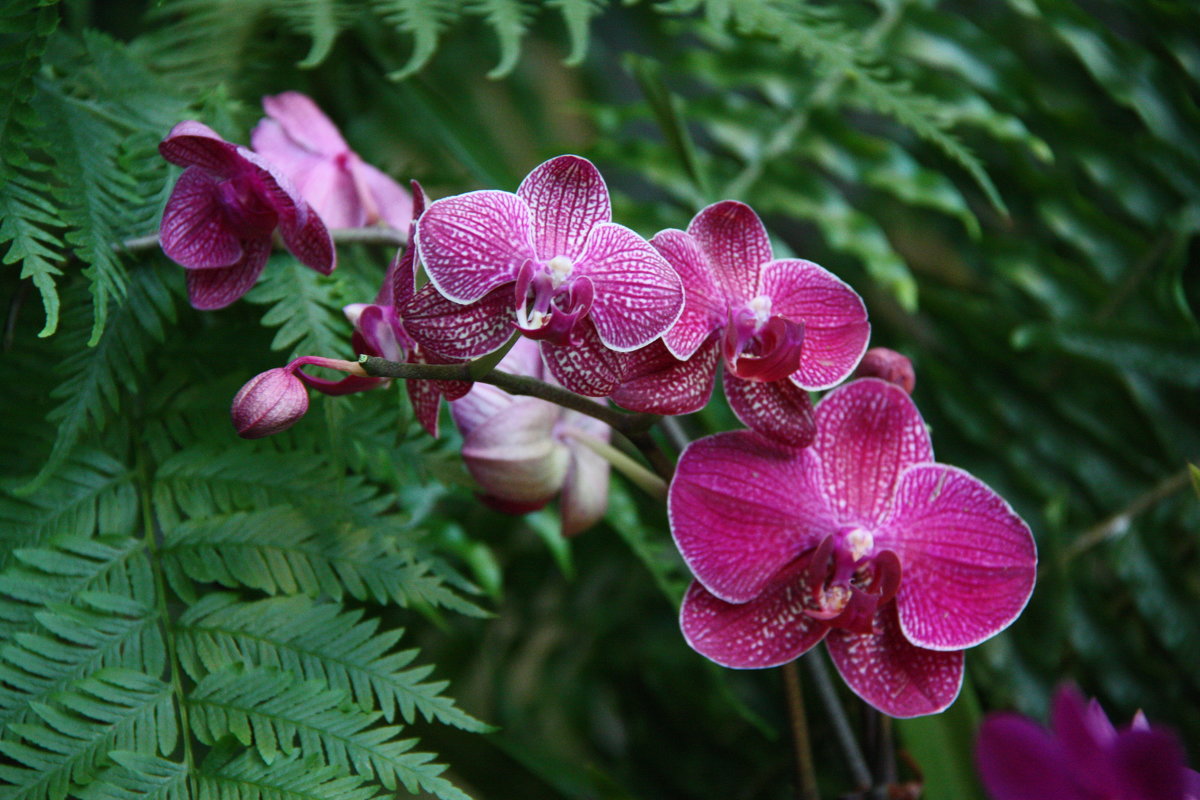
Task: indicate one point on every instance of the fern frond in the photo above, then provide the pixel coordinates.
(320, 20)
(510, 20)
(138, 776)
(577, 14)
(201, 43)
(304, 305)
(281, 551)
(319, 641)
(247, 777)
(272, 710)
(113, 709)
(423, 20)
(27, 223)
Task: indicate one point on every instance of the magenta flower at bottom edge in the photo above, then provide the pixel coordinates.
(1082, 757)
(223, 212)
(861, 540)
(523, 450)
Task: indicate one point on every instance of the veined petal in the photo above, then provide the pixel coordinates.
(195, 232)
(736, 243)
(308, 239)
(742, 508)
(584, 496)
(779, 410)
(766, 631)
(969, 561)
(568, 198)
(1019, 760)
(478, 406)
(585, 366)
(269, 140)
(194, 144)
(891, 673)
(658, 383)
(638, 295)
(514, 455)
(210, 289)
(395, 206)
(331, 192)
(868, 432)
(305, 123)
(426, 396)
(403, 270)
(457, 331)
(472, 243)
(834, 316)
(704, 306)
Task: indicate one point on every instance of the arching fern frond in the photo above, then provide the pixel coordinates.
(276, 713)
(138, 776)
(423, 20)
(577, 15)
(246, 776)
(510, 19)
(319, 641)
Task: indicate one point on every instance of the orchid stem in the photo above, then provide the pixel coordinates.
(841, 725)
(482, 366)
(646, 480)
(806, 776)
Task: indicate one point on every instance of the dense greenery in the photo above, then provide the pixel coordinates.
(1014, 188)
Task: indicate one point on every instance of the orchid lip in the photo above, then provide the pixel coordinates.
(846, 582)
(549, 303)
(762, 347)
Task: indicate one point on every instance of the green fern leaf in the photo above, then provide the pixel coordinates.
(113, 709)
(304, 305)
(577, 14)
(138, 776)
(246, 776)
(319, 641)
(423, 20)
(272, 710)
(321, 20)
(27, 223)
(510, 19)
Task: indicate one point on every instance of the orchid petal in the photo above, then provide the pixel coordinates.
(478, 406)
(308, 239)
(891, 673)
(638, 295)
(1086, 738)
(658, 383)
(463, 332)
(1151, 766)
(969, 560)
(742, 508)
(704, 306)
(351, 384)
(426, 395)
(194, 144)
(736, 243)
(403, 269)
(195, 231)
(779, 410)
(868, 432)
(1019, 760)
(331, 192)
(472, 243)
(767, 631)
(210, 289)
(584, 497)
(834, 316)
(567, 198)
(514, 455)
(395, 205)
(304, 123)
(585, 366)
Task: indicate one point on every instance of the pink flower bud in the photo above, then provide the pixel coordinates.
(880, 362)
(269, 403)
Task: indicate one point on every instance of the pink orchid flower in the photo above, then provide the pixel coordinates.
(523, 450)
(1082, 757)
(552, 262)
(382, 329)
(784, 327)
(861, 540)
(223, 211)
(305, 145)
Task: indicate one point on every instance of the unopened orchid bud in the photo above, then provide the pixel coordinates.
(269, 403)
(880, 362)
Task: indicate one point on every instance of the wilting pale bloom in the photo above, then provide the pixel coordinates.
(523, 450)
(553, 263)
(897, 562)
(223, 212)
(783, 326)
(382, 328)
(1082, 757)
(306, 146)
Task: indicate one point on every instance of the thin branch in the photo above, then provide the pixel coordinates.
(806, 776)
(1113, 526)
(841, 726)
(373, 234)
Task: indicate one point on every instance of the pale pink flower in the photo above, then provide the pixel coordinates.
(861, 540)
(305, 145)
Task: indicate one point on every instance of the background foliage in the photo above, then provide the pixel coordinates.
(1014, 188)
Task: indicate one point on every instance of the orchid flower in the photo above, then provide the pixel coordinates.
(549, 261)
(783, 327)
(223, 211)
(1082, 757)
(305, 145)
(861, 540)
(382, 329)
(523, 450)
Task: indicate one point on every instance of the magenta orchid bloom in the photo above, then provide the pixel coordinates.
(897, 562)
(784, 327)
(305, 145)
(523, 450)
(382, 329)
(221, 216)
(1083, 757)
(551, 261)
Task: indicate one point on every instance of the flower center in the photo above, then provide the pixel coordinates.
(549, 301)
(248, 213)
(760, 346)
(559, 269)
(845, 581)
